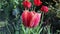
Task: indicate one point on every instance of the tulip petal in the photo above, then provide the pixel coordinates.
(29, 17)
(24, 16)
(35, 20)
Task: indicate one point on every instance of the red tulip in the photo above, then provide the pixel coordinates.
(30, 19)
(44, 9)
(26, 4)
(37, 2)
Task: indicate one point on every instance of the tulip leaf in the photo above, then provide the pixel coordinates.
(40, 30)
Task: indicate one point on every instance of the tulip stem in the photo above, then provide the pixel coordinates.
(48, 28)
(42, 19)
(28, 30)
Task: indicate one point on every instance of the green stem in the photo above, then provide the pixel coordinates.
(42, 19)
(29, 31)
(48, 28)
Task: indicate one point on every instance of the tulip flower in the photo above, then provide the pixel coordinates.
(30, 19)
(44, 9)
(26, 4)
(37, 2)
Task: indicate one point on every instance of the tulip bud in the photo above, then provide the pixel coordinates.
(37, 2)
(44, 9)
(30, 19)
(26, 4)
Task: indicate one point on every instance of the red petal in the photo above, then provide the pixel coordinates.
(24, 16)
(35, 20)
(29, 17)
